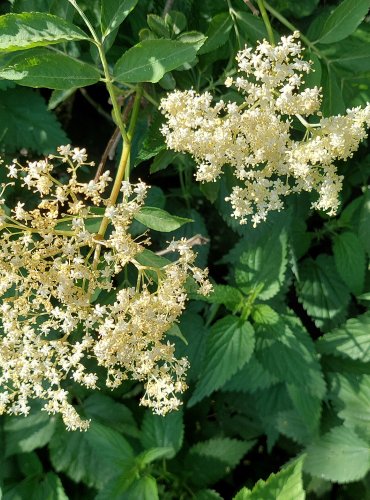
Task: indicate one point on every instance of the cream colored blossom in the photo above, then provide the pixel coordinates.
(255, 138)
(58, 299)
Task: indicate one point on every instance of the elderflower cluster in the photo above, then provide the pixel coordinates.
(65, 301)
(255, 138)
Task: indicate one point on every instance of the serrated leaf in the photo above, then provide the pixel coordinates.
(350, 394)
(286, 350)
(261, 267)
(44, 68)
(51, 488)
(227, 295)
(322, 292)
(349, 256)
(340, 456)
(94, 456)
(307, 406)
(230, 345)
(210, 460)
(36, 29)
(207, 495)
(287, 484)
(250, 378)
(113, 13)
(108, 411)
(343, 20)
(149, 60)
(24, 434)
(159, 220)
(350, 340)
(167, 431)
(363, 223)
(129, 488)
(218, 32)
(26, 123)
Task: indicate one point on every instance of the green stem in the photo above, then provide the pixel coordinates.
(266, 20)
(107, 77)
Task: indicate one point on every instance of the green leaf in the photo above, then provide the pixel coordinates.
(113, 13)
(350, 340)
(227, 295)
(287, 484)
(50, 488)
(343, 20)
(94, 456)
(363, 223)
(218, 32)
(108, 411)
(262, 265)
(36, 29)
(252, 377)
(29, 464)
(167, 431)
(44, 68)
(349, 256)
(149, 60)
(158, 25)
(322, 292)
(251, 26)
(24, 434)
(132, 488)
(26, 123)
(352, 54)
(333, 103)
(340, 456)
(230, 345)
(210, 460)
(159, 220)
(286, 350)
(207, 494)
(350, 394)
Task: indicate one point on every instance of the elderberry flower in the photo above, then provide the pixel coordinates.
(256, 139)
(54, 270)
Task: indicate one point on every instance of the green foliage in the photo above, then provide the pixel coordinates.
(279, 352)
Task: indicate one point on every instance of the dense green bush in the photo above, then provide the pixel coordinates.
(278, 396)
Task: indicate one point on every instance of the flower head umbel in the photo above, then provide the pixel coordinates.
(255, 138)
(61, 307)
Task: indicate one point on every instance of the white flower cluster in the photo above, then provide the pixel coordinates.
(255, 138)
(59, 302)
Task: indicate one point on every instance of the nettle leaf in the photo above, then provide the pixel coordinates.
(287, 484)
(363, 223)
(50, 488)
(350, 394)
(45, 68)
(113, 13)
(343, 20)
(24, 434)
(160, 220)
(350, 260)
(350, 340)
(322, 292)
(230, 345)
(27, 123)
(94, 456)
(36, 29)
(262, 265)
(207, 494)
(218, 32)
(227, 295)
(108, 411)
(149, 60)
(209, 461)
(167, 431)
(252, 377)
(129, 487)
(340, 456)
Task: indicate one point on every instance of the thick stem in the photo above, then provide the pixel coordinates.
(266, 20)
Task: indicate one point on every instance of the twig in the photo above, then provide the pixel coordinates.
(113, 142)
(108, 152)
(167, 7)
(249, 4)
(198, 239)
(96, 105)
